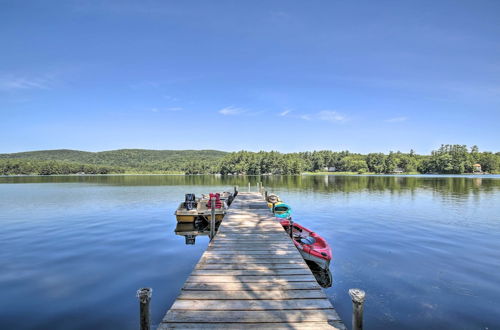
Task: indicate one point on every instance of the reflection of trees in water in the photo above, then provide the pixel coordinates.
(321, 183)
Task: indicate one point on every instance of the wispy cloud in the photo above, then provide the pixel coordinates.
(285, 113)
(331, 116)
(304, 117)
(13, 83)
(395, 119)
(231, 111)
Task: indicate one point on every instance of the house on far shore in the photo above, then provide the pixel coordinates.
(476, 168)
(329, 169)
(397, 170)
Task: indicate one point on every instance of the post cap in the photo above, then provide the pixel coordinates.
(357, 295)
(144, 294)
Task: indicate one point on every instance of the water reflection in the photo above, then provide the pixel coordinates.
(448, 185)
(192, 229)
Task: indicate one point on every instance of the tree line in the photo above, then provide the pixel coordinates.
(52, 167)
(448, 159)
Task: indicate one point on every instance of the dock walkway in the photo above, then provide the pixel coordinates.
(251, 276)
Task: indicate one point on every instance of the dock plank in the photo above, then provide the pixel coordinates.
(249, 316)
(251, 305)
(240, 295)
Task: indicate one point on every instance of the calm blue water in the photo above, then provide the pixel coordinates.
(74, 250)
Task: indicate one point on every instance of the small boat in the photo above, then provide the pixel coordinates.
(311, 246)
(273, 199)
(200, 208)
(282, 210)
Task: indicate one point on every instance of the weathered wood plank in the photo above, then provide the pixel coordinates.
(220, 272)
(253, 295)
(251, 286)
(268, 266)
(251, 278)
(251, 253)
(258, 258)
(250, 316)
(278, 326)
(252, 244)
(251, 305)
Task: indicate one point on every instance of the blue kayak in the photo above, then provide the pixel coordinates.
(282, 210)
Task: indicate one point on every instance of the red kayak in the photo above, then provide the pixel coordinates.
(311, 246)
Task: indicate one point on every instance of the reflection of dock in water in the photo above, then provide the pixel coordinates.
(192, 229)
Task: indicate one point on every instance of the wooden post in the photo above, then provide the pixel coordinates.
(212, 218)
(144, 295)
(265, 195)
(291, 227)
(258, 187)
(274, 204)
(358, 298)
(249, 187)
(236, 188)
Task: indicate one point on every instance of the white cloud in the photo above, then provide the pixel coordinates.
(12, 83)
(284, 113)
(175, 109)
(396, 119)
(231, 111)
(331, 116)
(305, 117)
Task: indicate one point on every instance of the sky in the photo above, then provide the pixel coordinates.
(364, 76)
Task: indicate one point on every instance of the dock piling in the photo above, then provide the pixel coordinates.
(358, 299)
(265, 194)
(249, 187)
(144, 295)
(212, 218)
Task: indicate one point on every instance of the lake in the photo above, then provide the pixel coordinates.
(74, 249)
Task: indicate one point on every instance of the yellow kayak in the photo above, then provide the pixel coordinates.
(270, 205)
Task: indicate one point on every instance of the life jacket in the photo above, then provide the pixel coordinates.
(218, 202)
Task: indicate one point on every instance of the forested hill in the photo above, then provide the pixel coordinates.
(448, 159)
(121, 157)
(119, 161)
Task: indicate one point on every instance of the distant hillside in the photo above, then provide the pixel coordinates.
(448, 159)
(136, 159)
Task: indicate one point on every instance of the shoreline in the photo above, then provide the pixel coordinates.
(471, 175)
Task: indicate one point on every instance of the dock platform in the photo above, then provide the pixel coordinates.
(251, 276)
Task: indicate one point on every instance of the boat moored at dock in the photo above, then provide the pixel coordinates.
(194, 208)
(311, 246)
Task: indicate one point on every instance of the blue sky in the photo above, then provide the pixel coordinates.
(273, 75)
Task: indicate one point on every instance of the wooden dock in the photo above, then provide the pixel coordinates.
(251, 276)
